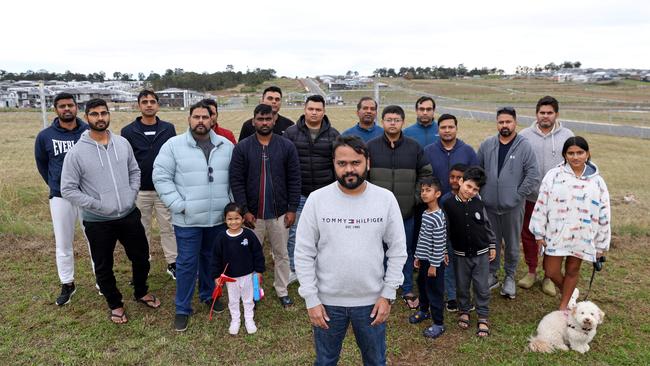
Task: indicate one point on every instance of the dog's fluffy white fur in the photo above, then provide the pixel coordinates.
(574, 328)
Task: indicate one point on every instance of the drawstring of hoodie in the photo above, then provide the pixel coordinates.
(99, 153)
(101, 161)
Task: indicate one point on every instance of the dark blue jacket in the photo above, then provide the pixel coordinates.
(245, 169)
(50, 149)
(365, 135)
(442, 160)
(424, 135)
(242, 253)
(146, 150)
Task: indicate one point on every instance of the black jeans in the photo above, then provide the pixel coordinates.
(434, 288)
(103, 237)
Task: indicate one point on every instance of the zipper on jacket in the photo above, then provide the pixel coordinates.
(110, 167)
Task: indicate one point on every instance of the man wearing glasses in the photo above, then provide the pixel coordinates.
(191, 176)
(146, 135)
(397, 163)
(265, 180)
(512, 174)
(101, 176)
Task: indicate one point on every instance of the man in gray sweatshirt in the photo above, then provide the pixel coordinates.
(340, 257)
(512, 174)
(101, 176)
(547, 136)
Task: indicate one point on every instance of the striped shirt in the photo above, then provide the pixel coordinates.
(432, 241)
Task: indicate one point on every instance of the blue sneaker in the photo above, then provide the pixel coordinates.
(419, 316)
(434, 331)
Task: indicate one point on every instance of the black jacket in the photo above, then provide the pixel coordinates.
(242, 253)
(247, 128)
(245, 168)
(398, 169)
(468, 227)
(316, 167)
(145, 151)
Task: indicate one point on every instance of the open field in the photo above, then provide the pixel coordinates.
(35, 331)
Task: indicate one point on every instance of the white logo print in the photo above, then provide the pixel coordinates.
(244, 242)
(477, 215)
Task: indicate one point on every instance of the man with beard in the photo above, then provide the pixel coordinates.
(101, 176)
(424, 130)
(50, 149)
(547, 136)
(444, 153)
(397, 164)
(512, 174)
(146, 135)
(215, 124)
(313, 136)
(271, 96)
(366, 128)
(340, 257)
(191, 176)
(265, 181)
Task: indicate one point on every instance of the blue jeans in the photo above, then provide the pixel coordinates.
(195, 246)
(450, 277)
(370, 339)
(407, 285)
(291, 243)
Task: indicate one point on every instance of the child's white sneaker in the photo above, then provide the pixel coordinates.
(250, 326)
(234, 327)
(574, 298)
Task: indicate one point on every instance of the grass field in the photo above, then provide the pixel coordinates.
(35, 331)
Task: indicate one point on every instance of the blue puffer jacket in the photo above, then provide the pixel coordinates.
(180, 175)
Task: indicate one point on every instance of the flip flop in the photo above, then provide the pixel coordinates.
(122, 317)
(411, 301)
(482, 332)
(149, 303)
(463, 323)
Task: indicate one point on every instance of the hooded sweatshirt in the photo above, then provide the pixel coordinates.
(102, 180)
(442, 160)
(50, 148)
(572, 214)
(519, 177)
(547, 148)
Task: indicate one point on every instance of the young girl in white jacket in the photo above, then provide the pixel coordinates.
(572, 216)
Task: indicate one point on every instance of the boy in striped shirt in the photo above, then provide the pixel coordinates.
(431, 258)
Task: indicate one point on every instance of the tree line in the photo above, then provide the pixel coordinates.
(435, 72)
(171, 78)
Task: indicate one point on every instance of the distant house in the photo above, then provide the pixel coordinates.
(8, 99)
(179, 98)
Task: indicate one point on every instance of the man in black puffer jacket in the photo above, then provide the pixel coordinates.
(313, 136)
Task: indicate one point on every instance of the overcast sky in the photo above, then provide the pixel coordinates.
(308, 38)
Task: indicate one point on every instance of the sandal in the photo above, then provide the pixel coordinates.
(463, 321)
(419, 317)
(411, 301)
(118, 318)
(150, 302)
(482, 332)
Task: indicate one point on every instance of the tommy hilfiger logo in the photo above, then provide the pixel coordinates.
(349, 221)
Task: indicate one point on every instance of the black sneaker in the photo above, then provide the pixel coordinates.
(67, 290)
(452, 306)
(286, 301)
(180, 322)
(219, 307)
(171, 270)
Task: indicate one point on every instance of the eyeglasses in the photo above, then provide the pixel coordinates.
(97, 114)
(210, 178)
(393, 120)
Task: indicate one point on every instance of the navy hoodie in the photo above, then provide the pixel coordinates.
(442, 160)
(50, 148)
(146, 149)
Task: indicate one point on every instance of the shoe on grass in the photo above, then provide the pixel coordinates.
(508, 289)
(548, 287)
(171, 270)
(99, 291)
(219, 307)
(434, 331)
(250, 326)
(234, 327)
(419, 317)
(452, 306)
(286, 301)
(527, 281)
(67, 290)
(180, 322)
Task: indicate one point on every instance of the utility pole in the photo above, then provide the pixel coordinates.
(43, 108)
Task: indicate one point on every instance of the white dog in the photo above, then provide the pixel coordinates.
(573, 328)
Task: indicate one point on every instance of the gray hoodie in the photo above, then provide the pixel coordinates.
(547, 148)
(103, 181)
(519, 176)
